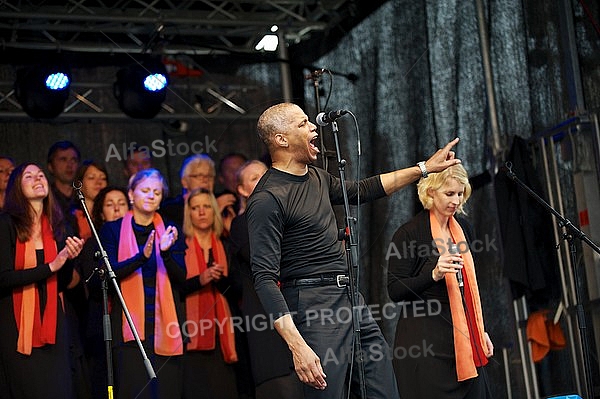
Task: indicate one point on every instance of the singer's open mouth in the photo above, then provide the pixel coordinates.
(313, 143)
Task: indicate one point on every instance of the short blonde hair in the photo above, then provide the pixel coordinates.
(436, 180)
(188, 228)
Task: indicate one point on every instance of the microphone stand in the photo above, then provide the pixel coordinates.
(106, 324)
(571, 232)
(315, 76)
(352, 257)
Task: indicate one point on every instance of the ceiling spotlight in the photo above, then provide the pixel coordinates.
(42, 91)
(141, 89)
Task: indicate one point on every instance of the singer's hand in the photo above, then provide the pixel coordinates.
(489, 346)
(447, 263)
(306, 362)
(308, 367)
(168, 238)
(443, 158)
(213, 273)
(217, 271)
(72, 248)
(149, 244)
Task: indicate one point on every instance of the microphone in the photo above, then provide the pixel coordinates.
(315, 74)
(453, 249)
(325, 118)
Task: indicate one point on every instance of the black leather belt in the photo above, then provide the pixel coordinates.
(340, 280)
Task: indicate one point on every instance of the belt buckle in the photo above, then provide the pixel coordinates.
(341, 280)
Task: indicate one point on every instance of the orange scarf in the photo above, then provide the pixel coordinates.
(167, 339)
(35, 330)
(208, 303)
(465, 365)
(83, 226)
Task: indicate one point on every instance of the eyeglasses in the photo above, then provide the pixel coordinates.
(201, 176)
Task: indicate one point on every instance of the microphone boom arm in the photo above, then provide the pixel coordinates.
(77, 185)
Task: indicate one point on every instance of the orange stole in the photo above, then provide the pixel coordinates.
(208, 303)
(83, 226)
(465, 366)
(35, 330)
(167, 334)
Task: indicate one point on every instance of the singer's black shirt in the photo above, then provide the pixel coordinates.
(293, 230)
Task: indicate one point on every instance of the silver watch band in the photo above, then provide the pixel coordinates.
(421, 166)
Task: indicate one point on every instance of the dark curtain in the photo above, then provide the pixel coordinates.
(421, 83)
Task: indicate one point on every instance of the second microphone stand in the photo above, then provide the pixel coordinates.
(570, 233)
(105, 273)
(352, 257)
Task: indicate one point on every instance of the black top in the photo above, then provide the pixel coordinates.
(173, 209)
(425, 319)
(46, 372)
(66, 204)
(293, 230)
(174, 264)
(269, 354)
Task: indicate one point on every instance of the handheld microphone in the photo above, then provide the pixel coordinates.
(453, 249)
(325, 118)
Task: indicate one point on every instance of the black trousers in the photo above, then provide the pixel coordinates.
(323, 315)
(131, 377)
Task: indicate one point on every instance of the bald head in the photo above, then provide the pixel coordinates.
(273, 121)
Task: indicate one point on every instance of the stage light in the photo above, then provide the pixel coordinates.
(269, 42)
(42, 91)
(141, 89)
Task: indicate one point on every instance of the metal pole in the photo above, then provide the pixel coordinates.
(497, 144)
(571, 61)
(567, 279)
(284, 65)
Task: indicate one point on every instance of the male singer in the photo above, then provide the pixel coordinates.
(294, 242)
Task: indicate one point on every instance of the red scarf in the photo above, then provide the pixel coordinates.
(208, 303)
(463, 350)
(35, 329)
(167, 335)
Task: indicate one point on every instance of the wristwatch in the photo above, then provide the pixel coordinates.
(421, 166)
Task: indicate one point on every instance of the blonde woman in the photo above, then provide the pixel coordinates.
(147, 258)
(452, 336)
(211, 349)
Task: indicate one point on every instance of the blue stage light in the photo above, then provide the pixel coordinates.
(141, 89)
(42, 90)
(155, 82)
(57, 81)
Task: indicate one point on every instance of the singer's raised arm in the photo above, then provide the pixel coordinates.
(442, 159)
